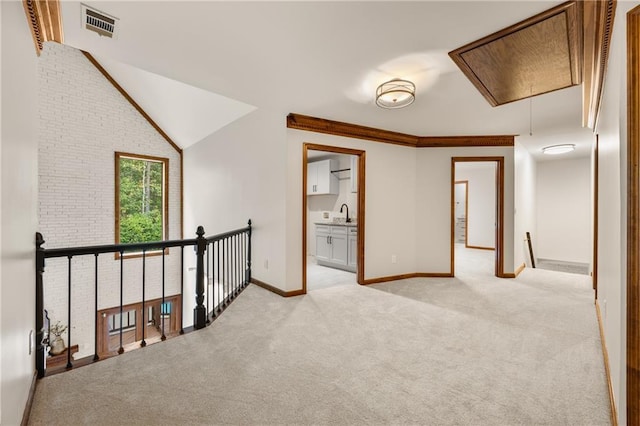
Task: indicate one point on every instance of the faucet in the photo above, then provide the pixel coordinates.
(344, 205)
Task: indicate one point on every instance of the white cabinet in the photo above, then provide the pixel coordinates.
(354, 173)
(352, 238)
(323, 248)
(338, 242)
(335, 248)
(320, 180)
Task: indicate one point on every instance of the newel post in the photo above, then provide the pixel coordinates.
(249, 254)
(200, 312)
(40, 348)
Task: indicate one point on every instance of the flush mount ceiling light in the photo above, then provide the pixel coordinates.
(558, 149)
(395, 93)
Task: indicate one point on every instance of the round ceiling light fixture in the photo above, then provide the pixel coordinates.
(396, 93)
(558, 149)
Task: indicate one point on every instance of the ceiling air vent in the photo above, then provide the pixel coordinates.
(99, 22)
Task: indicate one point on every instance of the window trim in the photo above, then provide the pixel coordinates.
(165, 200)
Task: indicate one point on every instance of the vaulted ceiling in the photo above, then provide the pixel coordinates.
(322, 59)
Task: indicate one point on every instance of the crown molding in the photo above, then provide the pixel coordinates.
(338, 128)
(45, 21)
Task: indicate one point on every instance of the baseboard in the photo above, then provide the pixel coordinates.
(405, 276)
(520, 269)
(479, 248)
(605, 355)
(27, 407)
(276, 290)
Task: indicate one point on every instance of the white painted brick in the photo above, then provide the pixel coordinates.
(83, 122)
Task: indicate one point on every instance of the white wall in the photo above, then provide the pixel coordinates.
(481, 209)
(254, 167)
(612, 224)
(434, 204)
(239, 173)
(525, 205)
(317, 204)
(19, 213)
(389, 201)
(563, 206)
(84, 120)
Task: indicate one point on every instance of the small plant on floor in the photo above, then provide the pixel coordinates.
(57, 344)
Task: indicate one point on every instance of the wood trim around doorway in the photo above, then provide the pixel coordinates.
(633, 216)
(499, 240)
(361, 205)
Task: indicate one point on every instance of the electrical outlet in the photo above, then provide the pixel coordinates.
(266, 264)
(394, 258)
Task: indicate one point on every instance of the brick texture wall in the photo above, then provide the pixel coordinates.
(83, 121)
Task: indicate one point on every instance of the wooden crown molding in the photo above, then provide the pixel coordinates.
(338, 128)
(45, 21)
(538, 55)
(598, 26)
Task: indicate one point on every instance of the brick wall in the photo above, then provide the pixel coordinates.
(83, 121)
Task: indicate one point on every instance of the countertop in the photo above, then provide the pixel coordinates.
(337, 223)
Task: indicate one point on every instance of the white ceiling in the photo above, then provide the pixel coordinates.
(323, 59)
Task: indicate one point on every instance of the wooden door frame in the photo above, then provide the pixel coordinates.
(361, 205)
(633, 217)
(499, 238)
(596, 195)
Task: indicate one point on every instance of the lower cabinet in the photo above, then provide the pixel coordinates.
(353, 248)
(334, 246)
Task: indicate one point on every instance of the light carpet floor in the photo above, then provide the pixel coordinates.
(471, 350)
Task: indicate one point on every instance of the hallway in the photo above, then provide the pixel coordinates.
(467, 350)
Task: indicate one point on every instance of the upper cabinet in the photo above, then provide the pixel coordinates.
(354, 173)
(320, 180)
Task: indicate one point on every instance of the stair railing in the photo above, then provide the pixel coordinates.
(225, 260)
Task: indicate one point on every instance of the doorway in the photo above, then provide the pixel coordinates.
(333, 188)
(477, 183)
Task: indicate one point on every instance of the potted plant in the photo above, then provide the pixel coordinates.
(56, 342)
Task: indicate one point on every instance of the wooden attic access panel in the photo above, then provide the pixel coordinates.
(538, 55)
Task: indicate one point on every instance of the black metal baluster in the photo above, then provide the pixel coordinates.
(231, 272)
(238, 276)
(244, 259)
(121, 349)
(144, 270)
(207, 292)
(95, 342)
(224, 284)
(213, 280)
(181, 287)
(219, 279)
(163, 337)
(69, 365)
(249, 254)
(235, 265)
(225, 260)
(230, 268)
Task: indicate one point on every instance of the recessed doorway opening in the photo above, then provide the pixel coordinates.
(477, 215)
(333, 216)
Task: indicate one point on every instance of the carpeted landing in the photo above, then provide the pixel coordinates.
(472, 350)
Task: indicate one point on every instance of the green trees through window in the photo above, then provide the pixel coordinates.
(140, 198)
